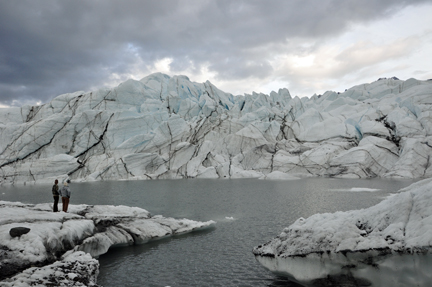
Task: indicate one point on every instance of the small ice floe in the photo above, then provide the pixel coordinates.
(356, 189)
(229, 218)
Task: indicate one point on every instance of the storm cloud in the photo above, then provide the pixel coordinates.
(52, 47)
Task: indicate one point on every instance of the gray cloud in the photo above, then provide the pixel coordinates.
(51, 47)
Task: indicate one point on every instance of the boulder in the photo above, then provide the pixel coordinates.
(18, 231)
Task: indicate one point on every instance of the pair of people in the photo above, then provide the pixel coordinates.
(64, 192)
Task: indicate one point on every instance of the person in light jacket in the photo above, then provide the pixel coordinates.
(65, 194)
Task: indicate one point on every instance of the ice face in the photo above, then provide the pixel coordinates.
(385, 245)
(170, 127)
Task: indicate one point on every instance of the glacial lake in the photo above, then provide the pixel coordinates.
(248, 212)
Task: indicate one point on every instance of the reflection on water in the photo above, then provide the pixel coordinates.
(220, 256)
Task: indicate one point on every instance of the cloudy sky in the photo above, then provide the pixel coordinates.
(51, 47)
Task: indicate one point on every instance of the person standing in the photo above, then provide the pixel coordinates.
(55, 192)
(65, 193)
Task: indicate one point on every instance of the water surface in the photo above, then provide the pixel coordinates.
(248, 212)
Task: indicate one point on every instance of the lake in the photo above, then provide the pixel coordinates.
(248, 212)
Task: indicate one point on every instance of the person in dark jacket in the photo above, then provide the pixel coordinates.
(55, 192)
(65, 193)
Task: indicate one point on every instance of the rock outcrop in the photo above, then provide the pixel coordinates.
(169, 127)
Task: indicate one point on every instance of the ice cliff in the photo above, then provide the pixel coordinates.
(58, 249)
(170, 127)
(389, 244)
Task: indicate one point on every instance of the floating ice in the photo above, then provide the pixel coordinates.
(357, 189)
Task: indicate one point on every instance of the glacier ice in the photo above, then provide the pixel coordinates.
(164, 127)
(73, 269)
(60, 242)
(388, 244)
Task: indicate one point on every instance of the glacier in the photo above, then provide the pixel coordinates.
(163, 127)
(60, 248)
(388, 244)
